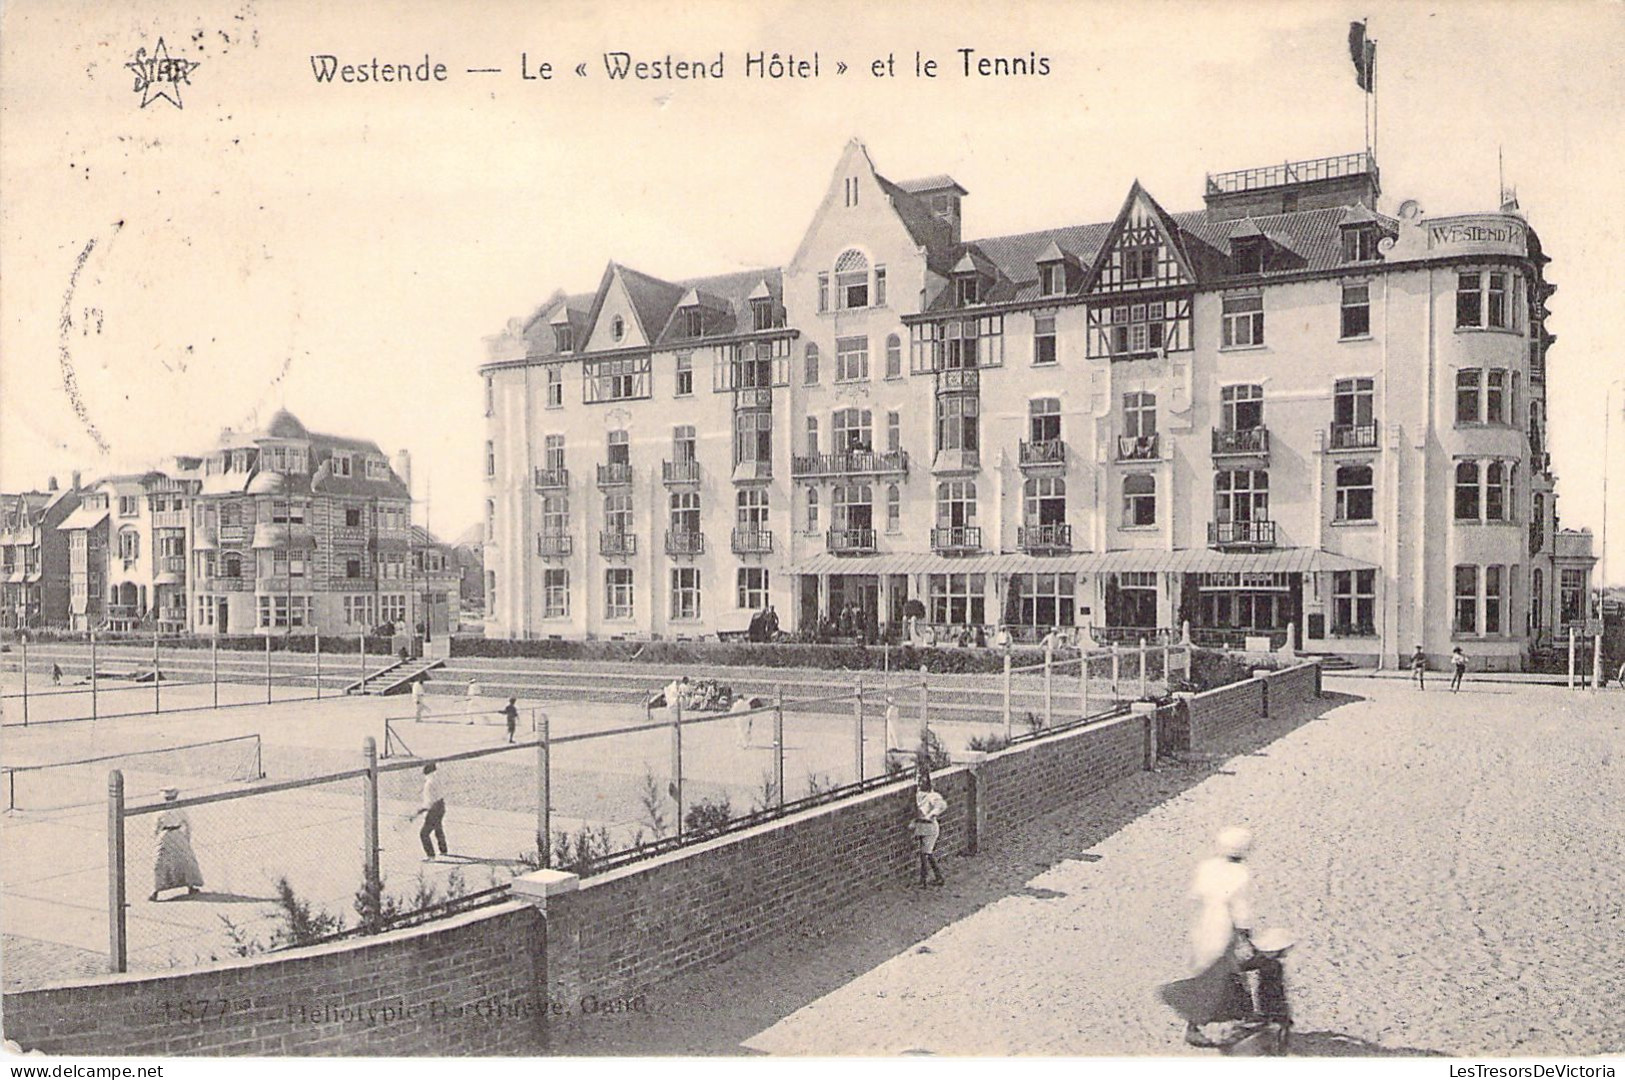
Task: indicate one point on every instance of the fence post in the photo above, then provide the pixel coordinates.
(157, 698)
(116, 950)
(1144, 656)
(93, 674)
(1049, 681)
(369, 810)
(1083, 679)
(676, 708)
(1167, 675)
(1571, 658)
(1596, 662)
(1007, 715)
(214, 667)
(925, 707)
(25, 681)
(268, 665)
(857, 728)
(778, 745)
(1117, 659)
(363, 654)
(318, 665)
(544, 794)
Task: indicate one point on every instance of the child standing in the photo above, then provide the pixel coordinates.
(1419, 667)
(1458, 661)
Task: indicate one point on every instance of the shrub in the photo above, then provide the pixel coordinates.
(580, 855)
(989, 744)
(933, 754)
(708, 816)
(654, 802)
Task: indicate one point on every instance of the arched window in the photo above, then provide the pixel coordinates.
(894, 357)
(809, 373)
(812, 510)
(617, 328)
(812, 436)
(852, 280)
(1139, 500)
(1467, 501)
(894, 509)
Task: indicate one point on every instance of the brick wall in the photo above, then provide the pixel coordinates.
(1017, 785)
(628, 929)
(467, 986)
(1218, 714)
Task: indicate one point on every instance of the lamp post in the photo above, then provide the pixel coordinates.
(1607, 447)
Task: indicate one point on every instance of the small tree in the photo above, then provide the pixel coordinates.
(654, 805)
(302, 923)
(709, 816)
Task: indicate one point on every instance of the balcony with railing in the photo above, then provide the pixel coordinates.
(1138, 448)
(752, 541)
(1242, 442)
(554, 479)
(851, 541)
(959, 381)
(685, 542)
(1043, 453)
(956, 539)
(849, 463)
(1038, 539)
(615, 474)
(1241, 534)
(554, 545)
(169, 519)
(1291, 172)
(685, 471)
(1354, 436)
(617, 544)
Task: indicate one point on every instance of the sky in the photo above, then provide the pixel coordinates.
(342, 250)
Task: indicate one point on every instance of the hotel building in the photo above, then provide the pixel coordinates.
(1285, 414)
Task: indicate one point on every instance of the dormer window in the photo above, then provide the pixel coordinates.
(967, 290)
(1248, 253)
(694, 321)
(852, 280)
(1359, 243)
(1052, 279)
(563, 338)
(761, 314)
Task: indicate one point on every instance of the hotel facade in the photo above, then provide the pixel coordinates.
(1286, 414)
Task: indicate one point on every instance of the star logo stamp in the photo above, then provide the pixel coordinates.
(160, 75)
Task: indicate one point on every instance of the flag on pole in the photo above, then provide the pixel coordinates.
(1363, 51)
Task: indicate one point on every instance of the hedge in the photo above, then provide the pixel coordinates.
(331, 643)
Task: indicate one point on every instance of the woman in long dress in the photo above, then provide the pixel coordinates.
(1220, 941)
(175, 864)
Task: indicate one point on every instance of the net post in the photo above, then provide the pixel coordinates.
(268, 664)
(857, 728)
(214, 667)
(1167, 674)
(93, 675)
(157, 694)
(369, 756)
(1049, 680)
(1007, 713)
(25, 683)
(259, 758)
(1083, 678)
(778, 745)
(318, 664)
(676, 710)
(363, 654)
(925, 707)
(544, 794)
(1117, 669)
(117, 956)
(1144, 656)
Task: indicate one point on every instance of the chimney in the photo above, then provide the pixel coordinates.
(76, 479)
(403, 468)
(50, 483)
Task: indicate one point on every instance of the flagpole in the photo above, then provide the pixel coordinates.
(1365, 49)
(1376, 106)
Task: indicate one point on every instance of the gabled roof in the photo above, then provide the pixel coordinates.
(930, 232)
(939, 182)
(1172, 233)
(652, 299)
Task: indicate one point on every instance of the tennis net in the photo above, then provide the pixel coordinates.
(63, 785)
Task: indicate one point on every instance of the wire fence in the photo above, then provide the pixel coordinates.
(65, 785)
(64, 681)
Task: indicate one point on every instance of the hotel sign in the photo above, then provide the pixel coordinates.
(1478, 234)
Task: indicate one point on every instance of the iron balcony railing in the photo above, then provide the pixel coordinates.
(1043, 452)
(851, 541)
(684, 542)
(1137, 448)
(614, 474)
(849, 463)
(1254, 440)
(551, 479)
(753, 541)
(1033, 538)
(952, 538)
(1354, 436)
(1291, 172)
(959, 381)
(554, 545)
(1241, 533)
(681, 472)
(617, 543)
